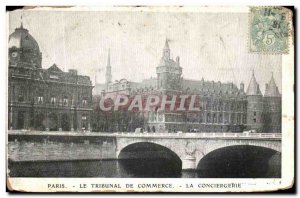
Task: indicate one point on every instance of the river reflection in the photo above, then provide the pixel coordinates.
(99, 168)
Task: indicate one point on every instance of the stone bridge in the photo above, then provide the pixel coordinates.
(188, 148)
(192, 147)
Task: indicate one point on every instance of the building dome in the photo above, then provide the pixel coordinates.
(24, 51)
(21, 38)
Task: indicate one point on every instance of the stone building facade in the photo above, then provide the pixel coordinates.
(44, 99)
(224, 107)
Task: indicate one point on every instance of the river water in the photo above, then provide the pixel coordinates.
(92, 168)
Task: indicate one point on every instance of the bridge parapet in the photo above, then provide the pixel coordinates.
(204, 135)
(221, 135)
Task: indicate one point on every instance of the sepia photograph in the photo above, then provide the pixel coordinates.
(106, 93)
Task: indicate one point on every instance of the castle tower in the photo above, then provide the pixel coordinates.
(272, 108)
(108, 76)
(168, 72)
(255, 105)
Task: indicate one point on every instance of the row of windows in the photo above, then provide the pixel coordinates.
(210, 118)
(118, 87)
(200, 118)
(40, 99)
(217, 106)
(65, 101)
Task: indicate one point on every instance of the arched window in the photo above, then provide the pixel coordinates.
(53, 100)
(40, 99)
(214, 118)
(220, 118)
(200, 118)
(238, 119)
(84, 101)
(231, 107)
(208, 105)
(226, 106)
(238, 106)
(208, 118)
(21, 94)
(65, 100)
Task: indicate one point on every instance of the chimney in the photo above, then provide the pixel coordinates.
(242, 87)
(73, 72)
(267, 86)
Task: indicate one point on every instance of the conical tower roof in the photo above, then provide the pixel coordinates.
(253, 88)
(272, 89)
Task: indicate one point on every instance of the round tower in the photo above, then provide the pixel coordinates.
(254, 105)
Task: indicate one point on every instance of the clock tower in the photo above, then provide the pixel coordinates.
(169, 72)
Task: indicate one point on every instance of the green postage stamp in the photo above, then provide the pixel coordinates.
(269, 29)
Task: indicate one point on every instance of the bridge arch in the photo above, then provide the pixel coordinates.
(240, 161)
(148, 159)
(191, 150)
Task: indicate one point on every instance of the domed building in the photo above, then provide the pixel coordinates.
(44, 99)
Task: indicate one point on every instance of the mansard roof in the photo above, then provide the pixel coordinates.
(272, 89)
(212, 87)
(253, 88)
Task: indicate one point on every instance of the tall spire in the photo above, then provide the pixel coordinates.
(167, 45)
(166, 51)
(108, 76)
(108, 59)
(253, 88)
(21, 22)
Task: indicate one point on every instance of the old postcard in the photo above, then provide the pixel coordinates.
(150, 99)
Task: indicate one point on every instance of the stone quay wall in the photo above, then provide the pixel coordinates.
(24, 147)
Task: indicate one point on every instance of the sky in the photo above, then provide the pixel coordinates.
(210, 45)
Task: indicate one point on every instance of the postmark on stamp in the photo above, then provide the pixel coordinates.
(269, 29)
